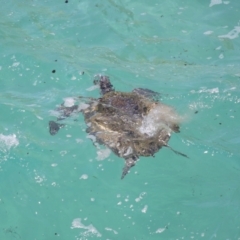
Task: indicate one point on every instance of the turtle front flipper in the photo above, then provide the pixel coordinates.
(129, 162)
(54, 127)
(147, 93)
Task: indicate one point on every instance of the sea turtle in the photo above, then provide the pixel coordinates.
(131, 124)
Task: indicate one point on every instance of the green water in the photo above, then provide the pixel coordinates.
(189, 51)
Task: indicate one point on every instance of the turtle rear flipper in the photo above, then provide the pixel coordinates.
(177, 152)
(129, 162)
(54, 127)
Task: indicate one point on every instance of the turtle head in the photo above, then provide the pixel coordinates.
(104, 84)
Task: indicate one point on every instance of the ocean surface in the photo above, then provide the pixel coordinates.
(63, 187)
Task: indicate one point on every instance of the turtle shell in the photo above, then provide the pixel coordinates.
(116, 120)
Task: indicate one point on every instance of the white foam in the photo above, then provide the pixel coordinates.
(144, 210)
(103, 154)
(109, 229)
(206, 90)
(211, 90)
(15, 64)
(69, 102)
(215, 2)
(84, 177)
(79, 140)
(39, 178)
(232, 34)
(82, 106)
(221, 56)
(54, 113)
(208, 32)
(92, 88)
(62, 153)
(197, 105)
(140, 197)
(7, 142)
(40, 118)
(162, 116)
(160, 230)
(90, 229)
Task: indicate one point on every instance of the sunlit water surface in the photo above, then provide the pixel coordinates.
(62, 186)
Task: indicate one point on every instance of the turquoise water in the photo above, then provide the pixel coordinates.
(55, 187)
